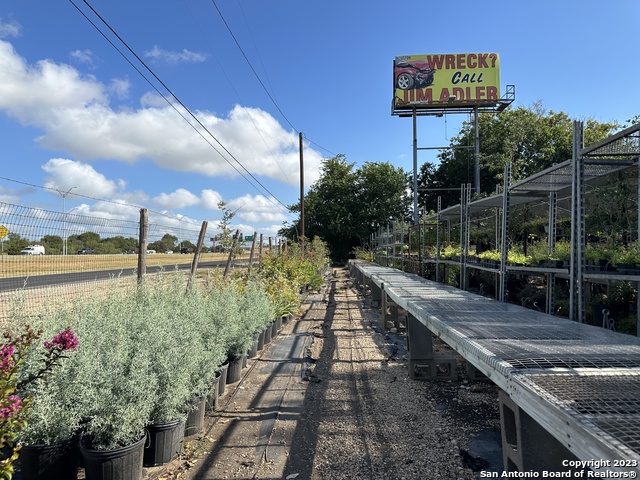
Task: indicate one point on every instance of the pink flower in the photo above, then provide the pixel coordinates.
(65, 340)
(6, 357)
(12, 407)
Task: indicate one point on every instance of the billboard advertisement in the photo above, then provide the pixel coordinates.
(446, 80)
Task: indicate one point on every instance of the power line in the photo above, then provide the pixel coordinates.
(259, 79)
(175, 98)
(77, 195)
(236, 92)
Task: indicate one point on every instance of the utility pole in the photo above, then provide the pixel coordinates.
(301, 189)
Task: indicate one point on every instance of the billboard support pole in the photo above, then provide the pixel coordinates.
(476, 135)
(415, 169)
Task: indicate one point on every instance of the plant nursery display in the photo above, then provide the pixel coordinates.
(140, 360)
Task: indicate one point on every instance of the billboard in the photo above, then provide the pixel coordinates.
(446, 81)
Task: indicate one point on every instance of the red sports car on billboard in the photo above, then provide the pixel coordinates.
(417, 74)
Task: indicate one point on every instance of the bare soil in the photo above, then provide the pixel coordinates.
(330, 398)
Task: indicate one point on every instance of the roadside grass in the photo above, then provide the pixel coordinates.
(31, 265)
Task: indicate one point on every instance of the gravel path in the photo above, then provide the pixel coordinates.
(330, 398)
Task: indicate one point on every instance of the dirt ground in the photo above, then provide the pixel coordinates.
(330, 398)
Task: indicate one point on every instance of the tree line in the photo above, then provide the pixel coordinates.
(53, 244)
(347, 204)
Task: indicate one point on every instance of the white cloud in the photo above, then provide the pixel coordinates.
(79, 179)
(6, 197)
(181, 198)
(74, 113)
(174, 58)
(12, 29)
(83, 56)
(257, 209)
(39, 95)
(210, 199)
(120, 87)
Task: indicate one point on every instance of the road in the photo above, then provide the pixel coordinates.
(39, 281)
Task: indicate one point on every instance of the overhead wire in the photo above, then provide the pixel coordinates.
(174, 96)
(89, 197)
(226, 24)
(236, 92)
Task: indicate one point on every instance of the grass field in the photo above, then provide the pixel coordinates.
(27, 265)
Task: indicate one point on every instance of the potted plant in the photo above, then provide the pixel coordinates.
(114, 386)
(225, 312)
(256, 307)
(628, 260)
(35, 427)
(50, 438)
(163, 297)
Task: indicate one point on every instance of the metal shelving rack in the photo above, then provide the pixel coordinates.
(562, 185)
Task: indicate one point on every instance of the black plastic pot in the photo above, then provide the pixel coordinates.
(164, 443)
(222, 381)
(268, 330)
(120, 464)
(195, 418)
(212, 399)
(261, 340)
(235, 369)
(253, 351)
(50, 462)
(275, 327)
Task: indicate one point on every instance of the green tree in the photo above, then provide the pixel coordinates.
(165, 244)
(121, 244)
(381, 196)
(345, 205)
(14, 243)
(225, 238)
(52, 244)
(532, 139)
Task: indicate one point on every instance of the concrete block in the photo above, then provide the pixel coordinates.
(526, 445)
(473, 373)
(441, 367)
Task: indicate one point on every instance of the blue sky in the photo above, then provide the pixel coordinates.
(76, 116)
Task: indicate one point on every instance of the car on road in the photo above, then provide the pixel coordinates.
(86, 251)
(33, 250)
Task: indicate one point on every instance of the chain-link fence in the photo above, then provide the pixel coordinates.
(50, 256)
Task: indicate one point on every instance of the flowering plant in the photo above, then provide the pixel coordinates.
(15, 398)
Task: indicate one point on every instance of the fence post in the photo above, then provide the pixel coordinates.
(143, 239)
(233, 248)
(196, 255)
(253, 248)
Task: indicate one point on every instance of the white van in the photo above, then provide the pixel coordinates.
(33, 250)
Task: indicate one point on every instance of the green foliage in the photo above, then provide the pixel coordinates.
(532, 139)
(225, 238)
(450, 251)
(23, 369)
(345, 206)
(627, 324)
(167, 243)
(562, 250)
(115, 385)
(13, 243)
(629, 254)
(284, 276)
(611, 209)
(494, 255)
(363, 253)
(146, 351)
